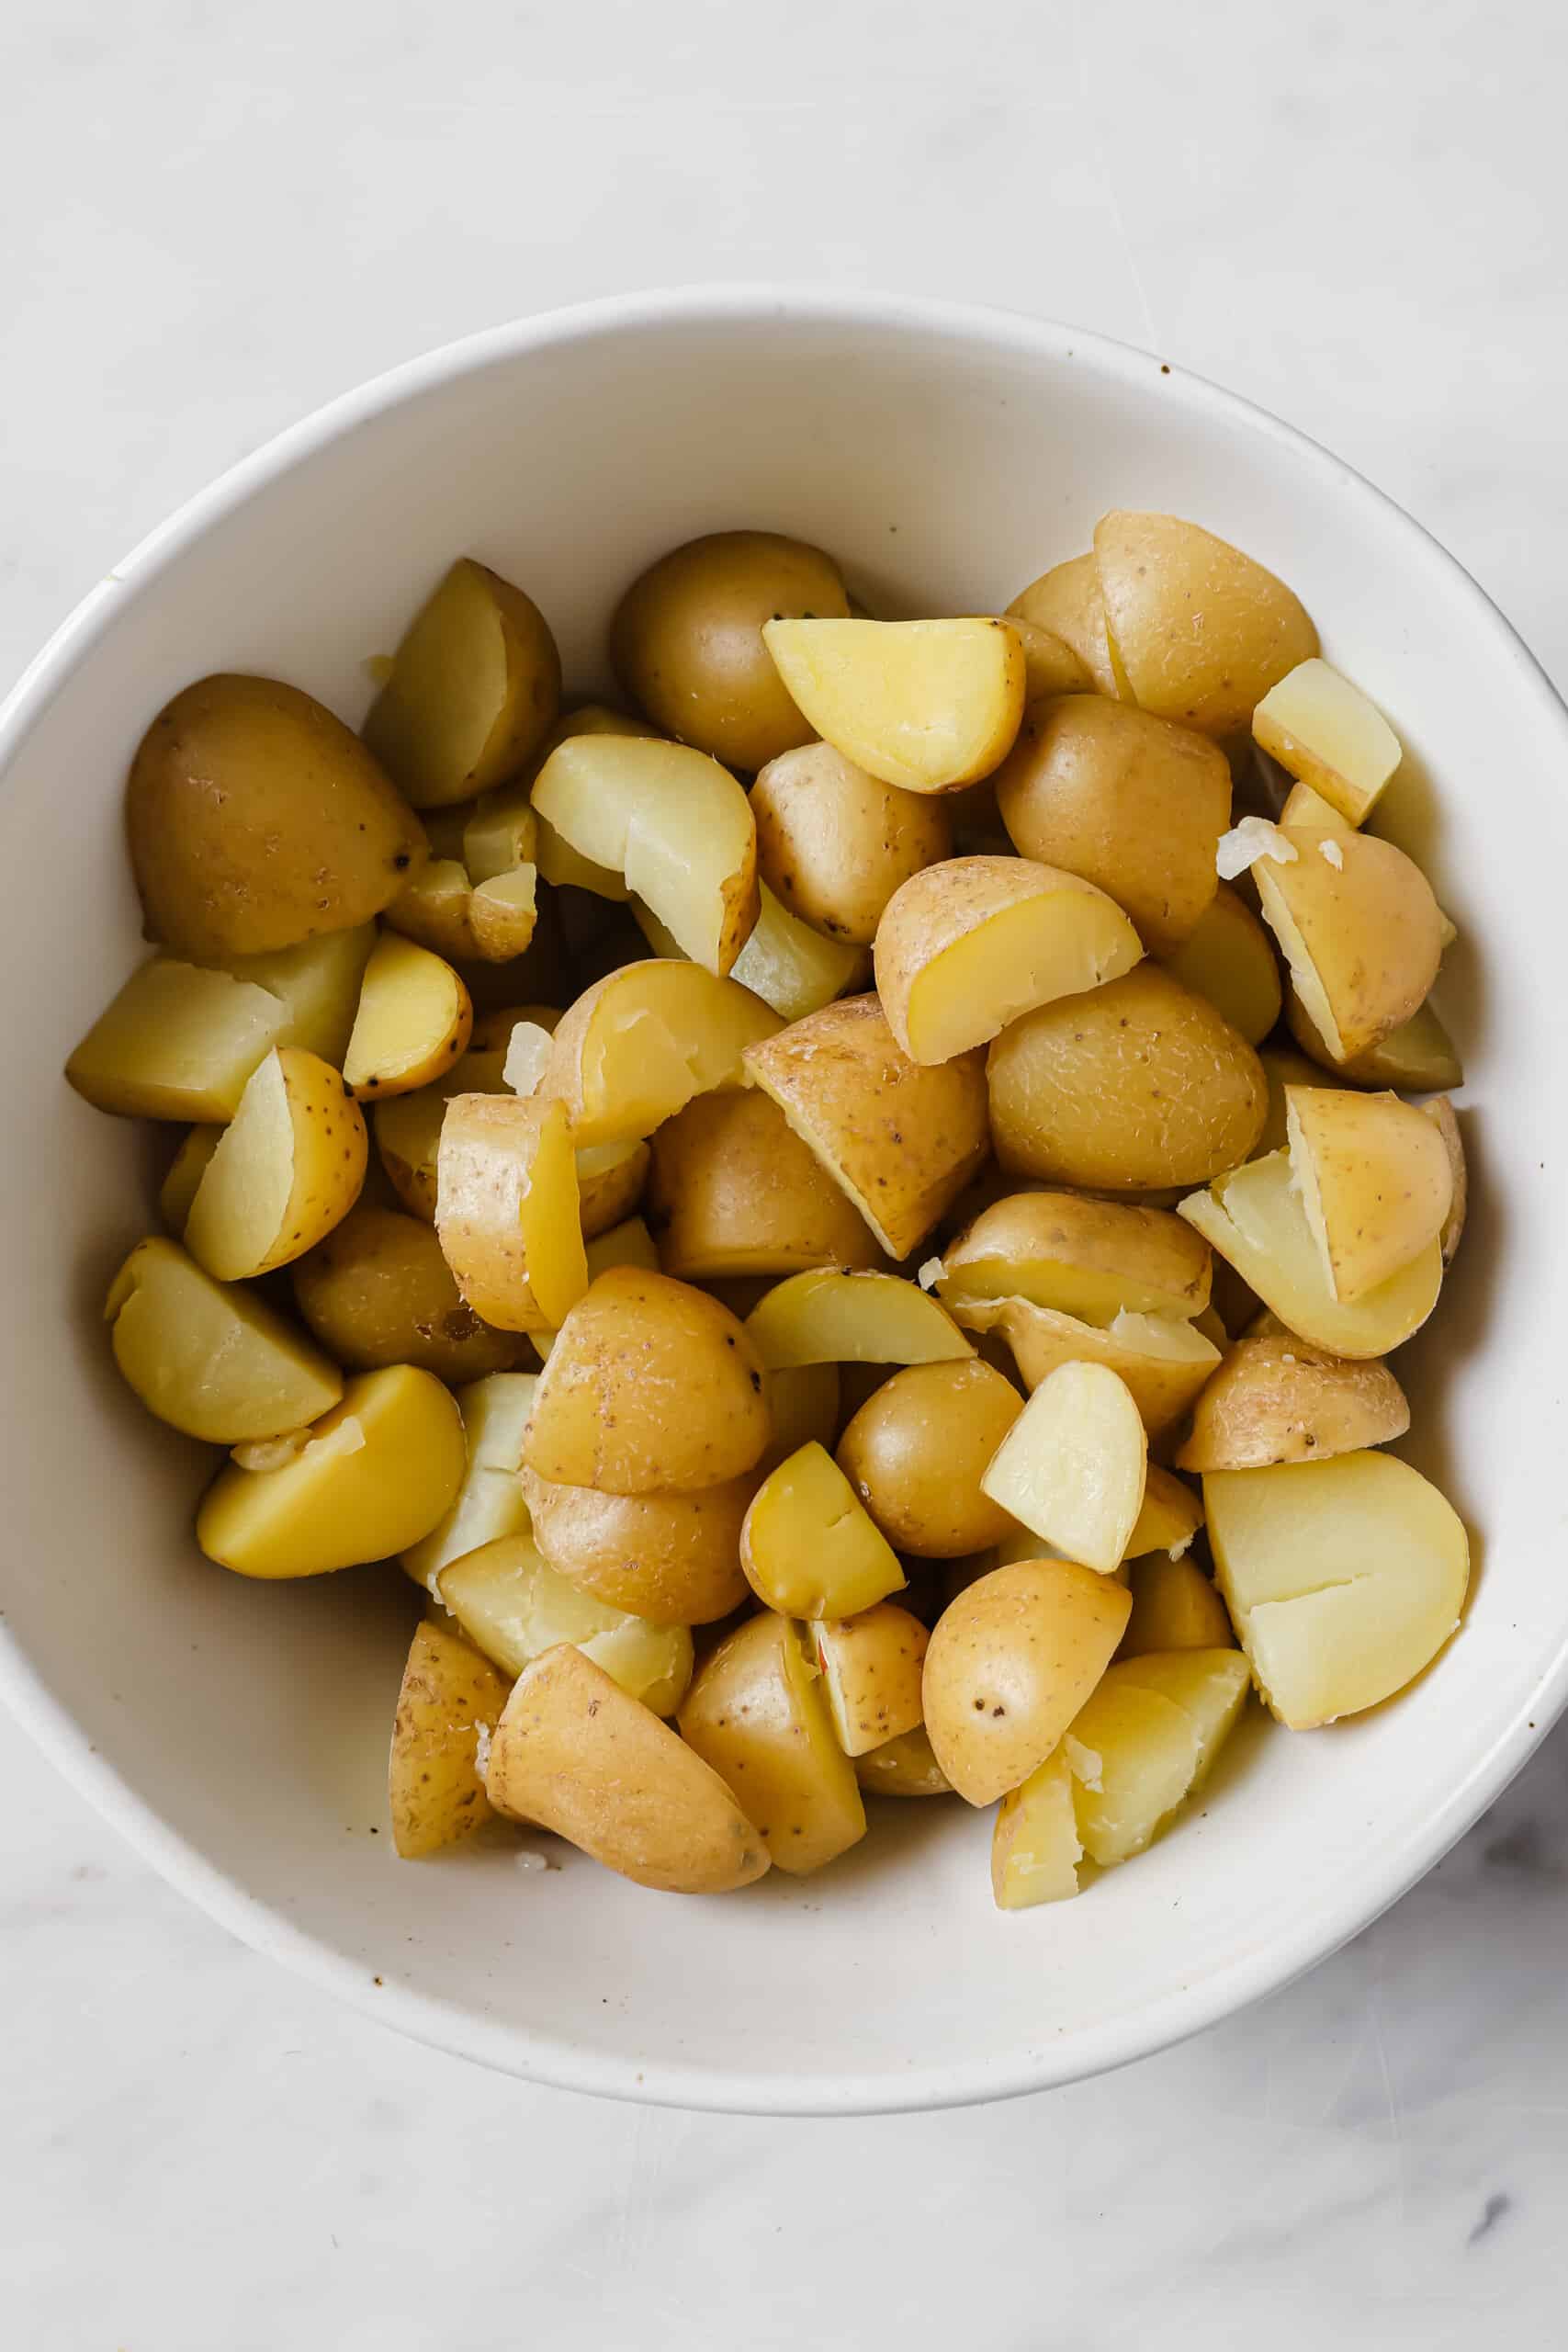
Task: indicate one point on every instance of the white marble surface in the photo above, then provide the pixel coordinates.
(210, 220)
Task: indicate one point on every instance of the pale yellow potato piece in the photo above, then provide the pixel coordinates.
(650, 1386)
(1035, 1847)
(1174, 1608)
(1419, 1055)
(917, 1451)
(1282, 1069)
(672, 821)
(490, 1502)
(1256, 1218)
(506, 1210)
(473, 687)
(1169, 1518)
(1343, 1579)
(177, 1043)
(871, 1667)
(793, 968)
(835, 842)
(1361, 931)
(1050, 665)
(803, 1403)
(1229, 960)
(732, 1189)
(1201, 632)
(1072, 1465)
(1276, 1398)
(1138, 1086)
(407, 1128)
(1066, 601)
(1325, 732)
(575, 1754)
(627, 1244)
(967, 947)
(450, 1699)
(186, 1168)
(444, 910)
(673, 1558)
(1444, 1117)
(379, 1291)
(756, 1713)
(380, 1469)
(209, 1358)
(1011, 1661)
(1375, 1182)
(640, 1043)
(901, 1138)
(514, 1607)
(825, 1316)
(289, 1165)
(807, 1547)
(1145, 1740)
(609, 1180)
(1091, 1258)
(319, 981)
(412, 1024)
(905, 1767)
(1162, 1359)
(924, 705)
(1307, 811)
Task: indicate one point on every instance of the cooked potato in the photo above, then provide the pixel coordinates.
(1072, 1465)
(1050, 665)
(177, 1043)
(901, 1139)
(606, 1415)
(1162, 1359)
(186, 1169)
(1174, 1608)
(965, 947)
(918, 1448)
(501, 832)
(828, 1317)
(1441, 1112)
(506, 1210)
(610, 1179)
(257, 819)
(1256, 1218)
(1199, 631)
(924, 705)
(1229, 961)
(1130, 802)
(1282, 1069)
(1066, 601)
(808, 1547)
(1146, 1739)
(673, 1558)
(489, 1501)
(640, 1043)
(1035, 1847)
(407, 1128)
(672, 821)
(871, 1666)
(1280, 1399)
(289, 1165)
(1011, 1662)
(450, 1697)
(1307, 811)
(687, 640)
(1323, 730)
(318, 983)
(445, 911)
(574, 1754)
(474, 686)
(514, 1607)
(208, 1357)
(835, 842)
(757, 1714)
(1136, 1087)
(733, 1190)
(905, 1767)
(1094, 1260)
(1419, 1055)
(804, 1403)
(627, 1244)
(378, 1472)
(413, 1020)
(377, 1291)
(1343, 1579)
(1360, 931)
(1171, 1517)
(1374, 1181)
(793, 968)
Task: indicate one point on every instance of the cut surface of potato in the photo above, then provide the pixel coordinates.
(830, 1317)
(871, 1666)
(1282, 1401)
(1323, 731)
(177, 1043)
(1419, 1055)
(1229, 961)
(474, 686)
(1162, 1361)
(319, 982)
(965, 947)
(1343, 1579)
(290, 1165)
(1201, 632)
(1066, 601)
(1174, 1608)
(672, 1558)
(1361, 931)
(490, 1502)
(1374, 1180)
(1146, 1739)
(379, 1291)
(757, 1714)
(507, 1215)
(209, 1358)
(924, 705)
(917, 1451)
(378, 1472)
(793, 968)
(905, 1767)
(835, 842)
(451, 1697)
(407, 1128)
(514, 1607)
(1441, 1112)
(1072, 1466)
(639, 1044)
(610, 1178)
(627, 1244)
(807, 1547)
(732, 1189)
(1035, 1847)
(186, 1168)
(1050, 665)
(1094, 1260)
(1171, 1517)
(412, 1024)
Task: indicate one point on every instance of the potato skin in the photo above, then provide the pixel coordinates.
(756, 1713)
(672, 1558)
(686, 641)
(414, 725)
(834, 843)
(377, 1291)
(917, 1449)
(733, 1190)
(1066, 601)
(449, 1693)
(257, 819)
(1102, 1255)
(1279, 1400)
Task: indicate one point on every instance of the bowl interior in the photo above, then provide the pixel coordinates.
(240, 1731)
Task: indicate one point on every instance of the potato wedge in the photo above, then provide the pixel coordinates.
(835, 842)
(1162, 1359)
(474, 686)
(319, 982)
(905, 1767)
(1441, 1112)
(1230, 961)
(445, 911)
(448, 1706)
(1374, 1179)
(407, 1128)
(574, 1754)
(1343, 1579)
(209, 1358)
(1073, 1464)
(1282, 1401)
(1419, 1055)
(901, 1139)
(1361, 931)
(289, 1165)
(609, 1180)
(1201, 632)
(732, 1189)
(1323, 730)
(514, 1607)
(828, 1317)
(1066, 601)
(808, 1548)
(1145, 1740)
(871, 1666)
(1171, 1517)
(639, 1044)
(671, 1557)
(490, 1502)
(1174, 1608)
(177, 1043)
(1035, 1847)
(925, 705)
(379, 1291)
(185, 1172)
(1094, 1260)
(916, 1454)
(412, 1024)
(506, 1210)
(793, 968)
(757, 1714)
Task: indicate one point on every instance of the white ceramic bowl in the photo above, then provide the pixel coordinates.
(237, 1732)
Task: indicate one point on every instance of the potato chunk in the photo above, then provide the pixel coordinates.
(1174, 1608)
(639, 1044)
(1035, 1847)
(1281, 1400)
(209, 1358)
(905, 1767)
(450, 1697)
(1146, 1739)
(1361, 931)
(513, 1607)
(489, 1503)
(177, 1043)
(1094, 1260)
(377, 1291)
(1200, 630)
(1171, 1517)
(792, 968)
(808, 1548)
(733, 1190)
(917, 1452)
(474, 685)
(1066, 601)
(1229, 961)
(1163, 1362)
(673, 1558)
(1072, 1466)
(1419, 1055)
(835, 842)
(1323, 730)
(506, 1210)
(826, 1316)
(756, 1713)
(925, 705)
(289, 1167)
(413, 1020)
(1374, 1180)
(871, 1666)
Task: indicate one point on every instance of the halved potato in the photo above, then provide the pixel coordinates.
(450, 1702)
(413, 1020)
(1146, 1739)
(1323, 730)
(1171, 1517)
(757, 1714)
(1200, 630)
(835, 842)
(1066, 601)
(1072, 1465)
(377, 1473)
(289, 1165)
(573, 1753)
(379, 1291)
(905, 1767)
(209, 1358)
(489, 1501)
(807, 1547)
(924, 705)
(185, 1171)
(1279, 1399)
(1174, 1608)
(1162, 1359)
(1441, 1112)
(506, 1210)
(1419, 1055)
(902, 1139)
(1361, 931)
(1374, 1181)
(917, 1451)
(671, 1557)
(1050, 665)
(177, 1043)
(871, 1666)
(1229, 960)
(793, 968)
(733, 1190)
(639, 1044)
(514, 1607)
(474, 685)
(965, 947)
(1343, 1579)
(1035, 1847)
(1094, 1260)
(825, 1316)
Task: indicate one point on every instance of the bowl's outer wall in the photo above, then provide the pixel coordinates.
(239, 1731)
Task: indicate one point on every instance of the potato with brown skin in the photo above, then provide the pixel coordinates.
(377, 1291)
(834, 843)
(916, 1450)
(905, 1767)
(257, 819)
(871, 1667)
(1130, 802)
(1229, 960)
(756, 1713)
(732, 1190)
(1066, 601)
(1138, 1086)
(1090, 1259)
(1199, 631)
(412, 1024)
(474, 685)
(674, 1558)
(639, 1044)
(287, 1167)
(1050, 665)
(1164, 1360)
(435, 1788)
(573, 1753)
(506, 1210)
(1281, 1400)
(1360, 931)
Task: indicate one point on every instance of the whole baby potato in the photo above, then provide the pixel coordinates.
(377, 1291)
(257, 819)
(734, 1191)
(834, 843)
(686, 641)
(916, 1450)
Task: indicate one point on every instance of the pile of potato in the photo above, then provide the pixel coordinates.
(758, 1199)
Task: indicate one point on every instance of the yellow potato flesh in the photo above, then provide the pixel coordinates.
(1073, 1465)
(1174, 1608)
(1307, 811)
(177, 1043)
(513, 1607)
(808, 1548)
(1066, 601)
(757, 1714)
(506, 1210)
(1201, 632)
(1162, 1361)
(1228, 961)
(502, 836)
(289, 1165)
(1419, 1055)
(635, 1049)
(412, 1024)
(627, 1244)
(319, 981)
(1094, 1260)
(1169, 1518)
(924, 705)
(474, 685)
(1144, 1741)
(905, 1767)
(1325, 732)
(791, 966)
(1035, 1847)
(1344, 1578)
(871, 1666)
(1360, 931)
(1375, 1182)
(187, 1167)
(378, 1472)
(450, 1696)
(825, 1318)
(209, 1358)
(489, 1504)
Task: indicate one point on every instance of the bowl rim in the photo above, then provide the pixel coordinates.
(530, 2055)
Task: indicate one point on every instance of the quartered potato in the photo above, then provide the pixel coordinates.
(514, 1607)
(639, 1044)
(177, 1043)
(671, 1557)
(1360, 928)
(450, 1699)
(1419, 1055)
(377, 1291)
(1229, 960)
(830, 1317)
(474, 686)
(412, 1025)
(1174, 1608)
(1199, 631)
(1374, 1179)
(905, 1767)
(288, 1169)
(1066, 601)
(1073, 1465)
(1171, 1517)
(917, 1452)
(1162, 1359)
(1323, 730)
(756, 1713)
(506, 1210)
(871, 1666)
(835, 842)
(490, 1502)
(1282, 1401)
(808, 1547)
(1145, 1740)
(318, 983)
(208, 1357)
(792, 968)
(732, 1190)
(1035, 1847)
(1094, 1260)
(924, 705)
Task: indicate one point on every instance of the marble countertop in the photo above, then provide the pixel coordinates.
(213, 222)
